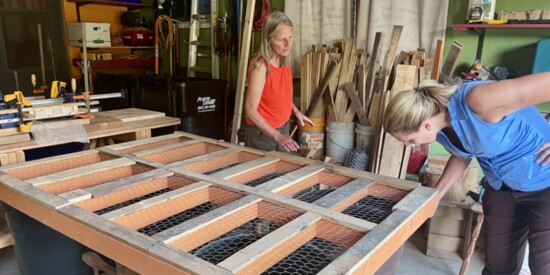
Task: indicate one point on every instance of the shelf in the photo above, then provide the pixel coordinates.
(466, 27)
(118, 63)
(129, 5)
(480, 30)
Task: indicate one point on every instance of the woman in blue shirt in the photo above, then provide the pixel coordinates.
(496, 123)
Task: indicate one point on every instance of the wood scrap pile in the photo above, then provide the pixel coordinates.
(350, 83)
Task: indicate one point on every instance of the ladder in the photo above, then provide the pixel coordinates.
(201, 20)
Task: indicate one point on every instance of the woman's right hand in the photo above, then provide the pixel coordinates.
(287, 143)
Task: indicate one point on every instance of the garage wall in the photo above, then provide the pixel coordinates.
(511, 48)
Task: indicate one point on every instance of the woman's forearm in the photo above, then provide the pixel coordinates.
(453, 171)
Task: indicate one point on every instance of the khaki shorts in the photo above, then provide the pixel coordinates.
(255, 138)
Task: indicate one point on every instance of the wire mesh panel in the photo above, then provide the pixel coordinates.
(313, 247)
(185, 221)
(221, 163)
(183, 152)
(133, 194)
(151, 145)
(41, 169)
(177, 209)
(89, 180)
(223, 237)
(316, 186)
(265, 173)
(377, 204)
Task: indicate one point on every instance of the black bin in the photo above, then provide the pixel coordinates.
(201, 106)
(155, 93)
(108, 83)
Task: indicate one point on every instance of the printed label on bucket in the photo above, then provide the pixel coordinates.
(311, 141)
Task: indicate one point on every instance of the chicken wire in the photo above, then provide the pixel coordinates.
(34, 171)
(377, 205)
(89, 180)
(133, 193)
(164, 215)
(316, 186)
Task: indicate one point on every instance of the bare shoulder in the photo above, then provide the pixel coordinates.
(493, 100)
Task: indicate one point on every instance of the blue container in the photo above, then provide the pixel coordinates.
(542, 57)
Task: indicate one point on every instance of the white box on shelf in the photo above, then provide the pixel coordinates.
(97, 34)
(485, 9)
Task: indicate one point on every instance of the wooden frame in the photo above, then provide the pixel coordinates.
(365, 245)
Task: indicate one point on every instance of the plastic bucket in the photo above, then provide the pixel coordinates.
(340, 138)
(364, 136)
(312, 137)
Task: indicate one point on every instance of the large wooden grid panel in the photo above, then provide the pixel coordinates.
(183, 204)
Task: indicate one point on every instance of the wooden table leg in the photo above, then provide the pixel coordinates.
(472, 245)
(5, 235)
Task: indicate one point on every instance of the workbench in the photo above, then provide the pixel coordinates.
(184, 204)
(124, 124)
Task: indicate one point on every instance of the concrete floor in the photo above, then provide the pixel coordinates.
(413, 261)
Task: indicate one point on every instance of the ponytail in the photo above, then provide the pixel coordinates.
(408, 109)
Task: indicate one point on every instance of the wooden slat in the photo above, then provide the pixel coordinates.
(203, 157)
(123, 183)
(349, 88)
(243, 68)
(184, 191)
(450, 61)
(245, 167)
(290, 236)
(305, 88)
(390, 54)
(437, 59)
(316, 97)
(166, 148)
(371, 70)
(81, 171)
(196, 226)
(338, 196)
(289, 179)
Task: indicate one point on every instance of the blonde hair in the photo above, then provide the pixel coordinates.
(407, 110)
(272, 22)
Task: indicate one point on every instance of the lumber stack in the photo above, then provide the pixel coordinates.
(184, 204)
(342, 83)
(333, 81)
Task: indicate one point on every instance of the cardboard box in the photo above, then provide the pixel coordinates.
(97, 34)
(449, 232)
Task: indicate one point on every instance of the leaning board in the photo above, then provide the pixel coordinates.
(184, 204)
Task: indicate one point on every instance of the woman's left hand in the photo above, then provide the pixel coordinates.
(543, 154)
(302, 118)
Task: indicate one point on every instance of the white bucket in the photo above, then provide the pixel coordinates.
(364, 136)
(340, 139)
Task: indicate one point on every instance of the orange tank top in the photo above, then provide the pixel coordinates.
(276, 101)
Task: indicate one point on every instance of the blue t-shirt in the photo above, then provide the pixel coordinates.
(505, 150)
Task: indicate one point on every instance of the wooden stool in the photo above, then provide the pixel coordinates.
(476, 209)
(101, 267)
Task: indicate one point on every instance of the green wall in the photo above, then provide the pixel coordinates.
(511, 48)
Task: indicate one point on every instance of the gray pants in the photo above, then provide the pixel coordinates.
(255, 138)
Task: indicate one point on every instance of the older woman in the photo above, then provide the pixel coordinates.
(268, 103)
